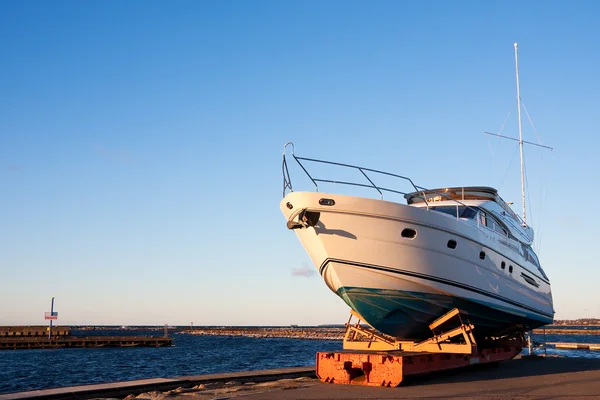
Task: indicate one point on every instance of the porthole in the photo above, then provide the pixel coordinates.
(482, 255)
(503, 265)
(409, 233)
(510, 269)
(452, 244)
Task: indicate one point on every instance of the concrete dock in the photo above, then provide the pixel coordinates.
(59, 342)
(33, 331)
(575, 346)
(37, 337)
(521, 378)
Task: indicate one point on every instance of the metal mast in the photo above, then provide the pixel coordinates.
(520, 140)
(520, 134)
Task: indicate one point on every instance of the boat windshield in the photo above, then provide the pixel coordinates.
(463, 211)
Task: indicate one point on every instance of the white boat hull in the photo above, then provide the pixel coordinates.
(400, 284)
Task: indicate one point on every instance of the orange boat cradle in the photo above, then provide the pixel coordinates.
(373, 359)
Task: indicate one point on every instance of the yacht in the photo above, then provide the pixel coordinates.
(400, 266)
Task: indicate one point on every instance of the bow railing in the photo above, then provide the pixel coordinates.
(368, 173)
(287, 182)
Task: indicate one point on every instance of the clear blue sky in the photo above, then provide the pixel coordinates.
(140, 143)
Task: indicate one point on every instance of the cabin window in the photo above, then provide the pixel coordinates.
(463, 212)
(482, 255)
(498, 228)
(503, 265)
(468, 212)
(483, 219)
(491, 223)
(531, 257)
(452, 244)
(510, 269)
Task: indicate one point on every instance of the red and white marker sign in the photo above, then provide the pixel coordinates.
(52, 315)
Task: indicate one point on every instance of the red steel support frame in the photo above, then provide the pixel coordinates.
(387, 368)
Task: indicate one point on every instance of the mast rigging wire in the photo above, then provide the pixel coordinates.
(531, 122)
(490, 143)
(505, 119)
(509, 165)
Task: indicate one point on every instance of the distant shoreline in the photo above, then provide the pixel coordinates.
(278, 332)
(288, 332)
(327, 333)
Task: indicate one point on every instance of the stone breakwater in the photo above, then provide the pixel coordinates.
(317, 333)
(552, 330)
(275, 332)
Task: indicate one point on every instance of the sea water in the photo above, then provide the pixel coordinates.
(191, 355)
